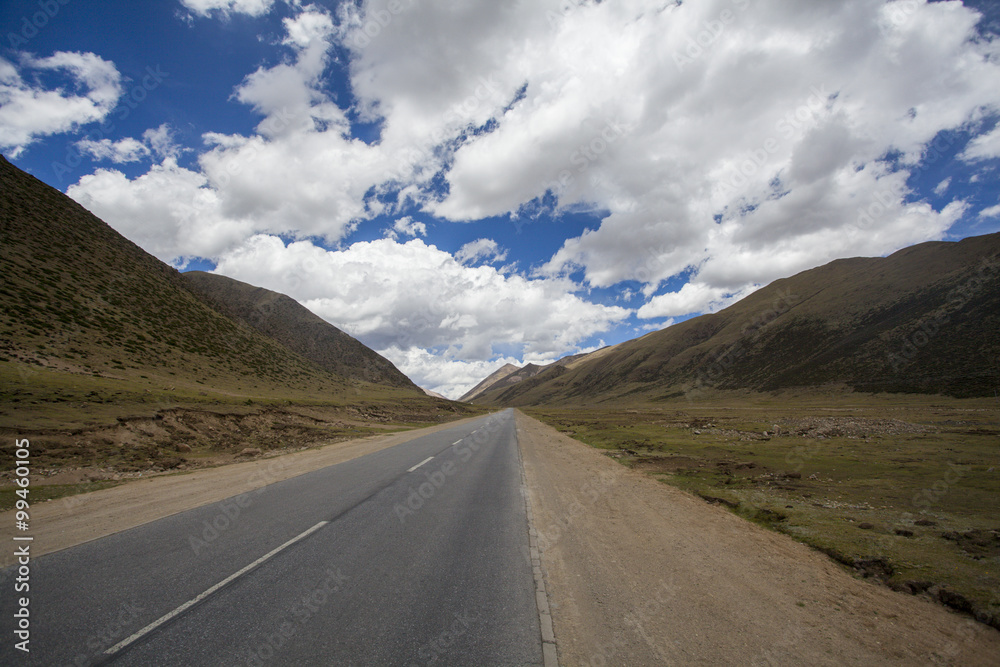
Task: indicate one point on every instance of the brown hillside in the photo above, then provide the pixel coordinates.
(285, 320)
(921, 320)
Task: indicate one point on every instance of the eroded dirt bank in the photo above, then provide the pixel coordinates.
(640, 573)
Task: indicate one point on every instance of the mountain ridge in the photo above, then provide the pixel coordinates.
(922, 320)
(284, 319)
(510, 374)
(89, 318)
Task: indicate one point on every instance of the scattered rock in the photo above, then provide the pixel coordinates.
(924, 522)
(911, 586)
(697, 432)
(877, 567)
(957, 601)
(852, 427)
(719, 501)
(248, 452)
(977, 543)
(837, 556)
(184, 449)
(864, 525)
(904, 532)
(770, 516)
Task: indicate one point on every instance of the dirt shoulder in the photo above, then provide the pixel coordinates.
(66, 522)
(641, 573)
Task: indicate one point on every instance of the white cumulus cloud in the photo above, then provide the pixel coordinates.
(227, 7)
(160, 141)
(316, 176)
(739, 141)
(480, 249)
(411, 296)
(124, 150)
(406, 226)
(691, 298)
(983, 147)
(169, 211)
(29, 110)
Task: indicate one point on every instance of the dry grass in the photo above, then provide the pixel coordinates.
(902, 488)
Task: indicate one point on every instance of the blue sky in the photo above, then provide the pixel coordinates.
(463, 185)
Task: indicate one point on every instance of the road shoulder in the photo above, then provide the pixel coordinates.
(641, 573)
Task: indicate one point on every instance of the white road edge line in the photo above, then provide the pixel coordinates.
(456, 443)
(429, 458)
(190, 603)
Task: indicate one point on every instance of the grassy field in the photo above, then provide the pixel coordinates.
(88, 432)
(34, 398)
(904, 489)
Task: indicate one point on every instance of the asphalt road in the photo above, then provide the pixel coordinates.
(414, 555)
